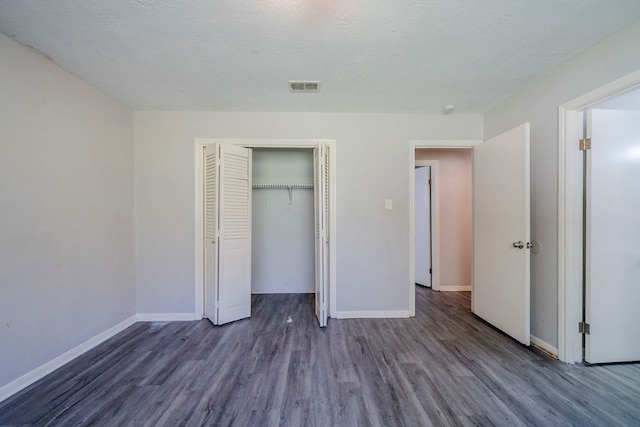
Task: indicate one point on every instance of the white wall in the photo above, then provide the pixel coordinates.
(283, 244)
(455, 183)
(66, 211)
(538, 104)
(372, 165)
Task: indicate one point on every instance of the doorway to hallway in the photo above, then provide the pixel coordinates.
(500, 213)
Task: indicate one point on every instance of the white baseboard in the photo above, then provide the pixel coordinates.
(383, 314)
(455, 288)
(283, 291)
(44, 370)
(165, 317)
(548, 348)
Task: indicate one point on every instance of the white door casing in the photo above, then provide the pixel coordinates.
(613, 236)
(422, 221)
(501, 217)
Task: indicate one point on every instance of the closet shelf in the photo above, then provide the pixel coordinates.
(287, 186)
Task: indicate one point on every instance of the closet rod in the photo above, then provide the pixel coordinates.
(288, 186)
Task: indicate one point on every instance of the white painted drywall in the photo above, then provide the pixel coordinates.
(456, 238)
(610, 59)
(372, 243)
(66, 211)
(283, 244)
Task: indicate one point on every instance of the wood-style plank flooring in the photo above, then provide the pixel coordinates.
(444, 367)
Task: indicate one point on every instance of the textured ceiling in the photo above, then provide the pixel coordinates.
(370, 55)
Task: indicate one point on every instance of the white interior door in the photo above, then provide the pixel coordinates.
(613, 237)
(501, 232)
(234, 262)
(211, 232)
(321, 204)
(422, 225)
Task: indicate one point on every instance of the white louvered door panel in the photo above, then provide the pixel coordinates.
(234, 288)
(325, 243)
(320, 189)
(210, 232)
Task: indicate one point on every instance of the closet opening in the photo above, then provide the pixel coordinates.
(265, 224)
(283, 244)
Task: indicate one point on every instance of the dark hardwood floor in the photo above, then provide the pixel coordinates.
(444, 367)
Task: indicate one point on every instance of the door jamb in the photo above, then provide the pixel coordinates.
(570, 213)
(413, 146)
(199, 144)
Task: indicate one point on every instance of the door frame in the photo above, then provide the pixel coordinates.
(570, 223)
(434, 219)
(413, 146)
(199, 144)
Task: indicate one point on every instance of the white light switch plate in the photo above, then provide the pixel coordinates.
(388, 204)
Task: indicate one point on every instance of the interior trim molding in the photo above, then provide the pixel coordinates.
(455, 288)
(283, 291)
(372, 314)
(40, 372)
(166, 317)
(545, 346)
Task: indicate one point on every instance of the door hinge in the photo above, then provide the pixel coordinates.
(584, 328)
(585, 144)
(430, 272)
(429, 182)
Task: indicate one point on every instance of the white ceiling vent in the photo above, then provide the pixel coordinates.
(300, 86)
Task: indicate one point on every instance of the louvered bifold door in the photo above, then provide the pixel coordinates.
(320, 190)
(325, 242)
(234, 278)
(211, 232)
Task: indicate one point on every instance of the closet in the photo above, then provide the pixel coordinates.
(265, 224)
(283, 245)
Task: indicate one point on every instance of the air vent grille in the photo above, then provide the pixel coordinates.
(302, 86)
